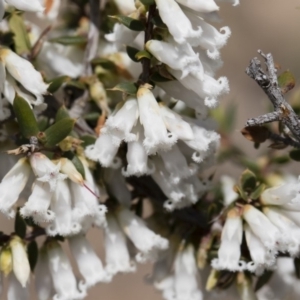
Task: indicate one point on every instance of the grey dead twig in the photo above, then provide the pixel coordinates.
(283, 112)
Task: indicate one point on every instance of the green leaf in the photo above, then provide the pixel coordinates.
(56, 83)
(58, 131)
(25, 116)
(33, 253)
(88, 140)
(77, 84)
(157, 21)
(248, 180)
(297, 267)
(18, 28)
(133, 24)
(283, 159)
(258, 191)
(131, 51)
(241, 192)
(143, 54)
(295, 154)
(125, 87)
(61, 114)
(263, 279)
(70, 40)
(20, 226)
(286, 81)
(104, 63)
(43, 123)
(78, 165)
(93, 116)
(147, 2)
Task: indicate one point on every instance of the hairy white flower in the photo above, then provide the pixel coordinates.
(262, 227)
(205, 6)
(145, 240)
(37, 205)
(45, 170)
(104, 150)
(20, 261)
(23, 72)
(63, 223)
(64, 281)
(181, 30)
(227, 185)
(137, 157)
(121, 122)
(15, 290)
(89, 264)
(43, 281)
(116, 252)
(12, 185)
(156, 134)
(261, 256)
(229, 252)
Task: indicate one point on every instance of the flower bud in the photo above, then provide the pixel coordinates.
(20, 261)
(5, 260)
(68, 168)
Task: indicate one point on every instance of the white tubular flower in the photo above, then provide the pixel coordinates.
(176, 124)
(261, 257)
(176, 56)
(58, 60)
(208, 88)
(290, 231)
(185, 286)
(176, 164)
(117, 186)
(212, 39)
(24, 72)
(181, 30)
(203, 143)
(32, 5)
(43, 281)
(89, 264)
(20, 261)
(287, 195)
(121, 35)
(227, 185)
(229, 252)
(15, 291)
(37, 205)
(62, 275)
(137, 157)
(156, 134)
(262, 227)
(162, 178)
(104, 150)
(176, 90)
(203, 6)
(121, 122)
(116, 252)
(63, 223)
(12, 185)
(125, 6)
(145, 240)
(46, 170)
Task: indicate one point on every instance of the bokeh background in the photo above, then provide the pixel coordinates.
(270, 25)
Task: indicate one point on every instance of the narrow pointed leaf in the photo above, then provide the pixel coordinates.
(25, 116)
(61, 114)
(58, 131)
(56, 83)
(131, 51)
(69, 40)
(133, 24)
(125, 87)
(33, 253)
